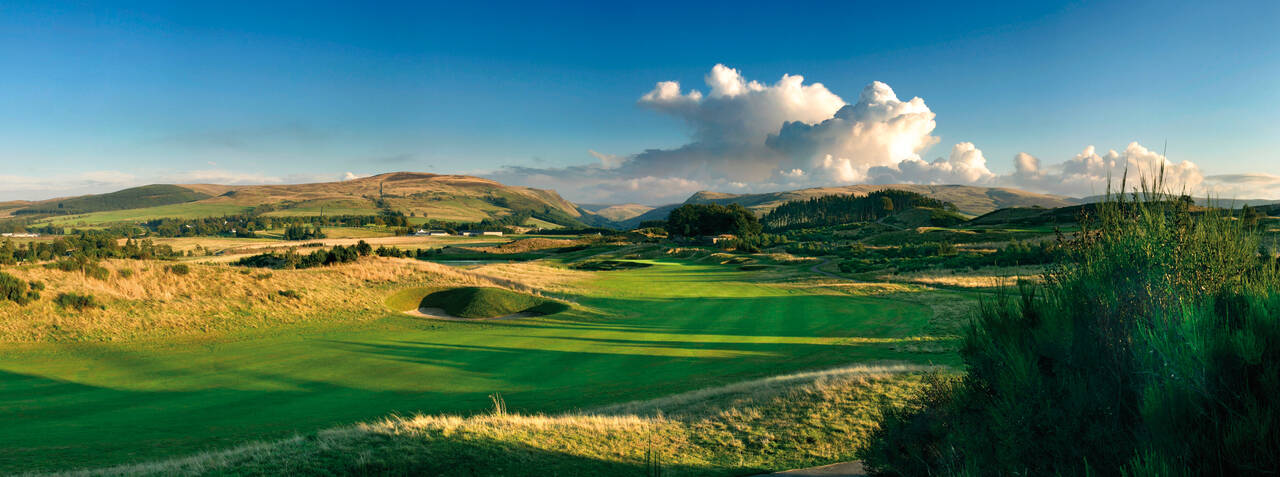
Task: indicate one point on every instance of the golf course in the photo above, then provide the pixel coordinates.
(635, 334)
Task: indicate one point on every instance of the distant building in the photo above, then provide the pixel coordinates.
(477, 233)
(19, 235)
(431, 233)
(499, 234)
(722, 238)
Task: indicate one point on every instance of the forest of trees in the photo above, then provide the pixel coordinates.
(844, 209)
(699, 220)
(243, 225)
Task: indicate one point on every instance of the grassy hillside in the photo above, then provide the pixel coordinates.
(446, 197)
(189, 210)
(925, 217)
(419, 195)
(616, 213)
(134, 198)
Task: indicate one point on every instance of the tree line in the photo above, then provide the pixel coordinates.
(87, 244)
(844, 209)
(291, 259)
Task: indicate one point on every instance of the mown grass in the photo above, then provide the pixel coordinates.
(765, 425)
(638, 334)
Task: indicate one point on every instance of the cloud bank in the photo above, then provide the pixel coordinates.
(749, 136)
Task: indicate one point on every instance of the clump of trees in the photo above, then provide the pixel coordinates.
(700, 220)
(1153, 351)
(422, 253)
(844, 209)
(303, 232)
(292, 259)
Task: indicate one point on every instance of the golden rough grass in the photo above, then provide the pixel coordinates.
(152, 301)
(532, 244)
(770, 424)
(533, 276)
(990, 277)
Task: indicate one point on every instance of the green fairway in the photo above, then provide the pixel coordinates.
(636, 334)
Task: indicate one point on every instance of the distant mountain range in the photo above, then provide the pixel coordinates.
(970, 200)
(463, 199)
(444, 197)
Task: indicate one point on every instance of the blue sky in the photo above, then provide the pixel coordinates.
(98, 96)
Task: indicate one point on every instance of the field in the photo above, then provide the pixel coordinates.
(174, 211)
(638, 334)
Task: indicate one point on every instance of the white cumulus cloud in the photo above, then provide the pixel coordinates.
(752, 136)
(1088, 173)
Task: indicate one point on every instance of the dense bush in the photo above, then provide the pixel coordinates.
(18, 291)
(76, 301)
(1154, 350)
(178, 269)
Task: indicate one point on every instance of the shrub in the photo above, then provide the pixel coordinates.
(1155, 347)
(89, 268)
(18, 291)
(289, 294)
(125, 272)
(76, 301)
(178, 269)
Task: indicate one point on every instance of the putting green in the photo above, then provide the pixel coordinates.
(638, 334)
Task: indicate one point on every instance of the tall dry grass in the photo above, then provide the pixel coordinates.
(143, 299)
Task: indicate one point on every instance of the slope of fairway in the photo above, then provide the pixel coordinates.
(636, 334)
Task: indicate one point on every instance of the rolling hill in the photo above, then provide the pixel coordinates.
(433, 196)
(132, 198)
(970, 200)
(616, 213)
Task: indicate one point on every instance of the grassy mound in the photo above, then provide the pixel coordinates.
(487, 302)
